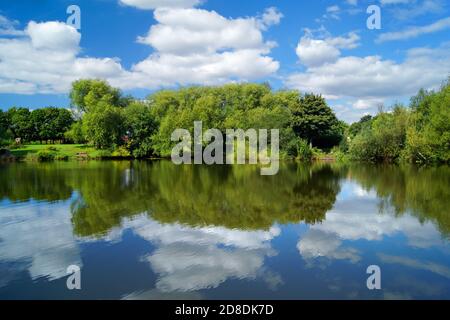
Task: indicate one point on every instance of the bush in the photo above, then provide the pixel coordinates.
(45, 155)
(121, 152)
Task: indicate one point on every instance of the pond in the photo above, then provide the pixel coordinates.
(154, 230)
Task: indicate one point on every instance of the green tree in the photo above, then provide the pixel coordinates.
(75, 134)
(104, 126)
(314, 121)
(4, 127)
(428, 134)
(140, 127)
(384, 139)
(50, 123)
(21, 125)
(87, 93)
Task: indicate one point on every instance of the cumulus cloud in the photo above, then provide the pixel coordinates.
(195, 46)
(46, 60)
(271, 16)
(190, 46)
(373, 77)
(317, 52)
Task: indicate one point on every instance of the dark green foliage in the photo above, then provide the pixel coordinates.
(5, 135)
(419, 134)
(50, 123)
(314, 121)
(21, 125)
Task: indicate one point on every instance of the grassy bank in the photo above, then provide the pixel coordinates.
(40, 152)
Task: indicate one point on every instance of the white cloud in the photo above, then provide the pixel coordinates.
(365, 104)
(187, 31)
(153, 4)
(415, 31)
(195, 46)
(352, 2)
(191, 46)
(317, 52)
(271, 16)
(45, 60)
(373, 77)
(314, 53)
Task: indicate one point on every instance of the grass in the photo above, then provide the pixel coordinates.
(60, 151)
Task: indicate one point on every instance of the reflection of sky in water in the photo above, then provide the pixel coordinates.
(146, 259)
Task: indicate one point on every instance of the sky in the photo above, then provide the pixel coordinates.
(141, 46)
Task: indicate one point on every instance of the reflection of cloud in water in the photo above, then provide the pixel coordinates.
(433, 267)
(356, 217)
(190, 259)
(39, 238)
(322, 244)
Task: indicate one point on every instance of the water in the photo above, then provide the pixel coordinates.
(152, 230)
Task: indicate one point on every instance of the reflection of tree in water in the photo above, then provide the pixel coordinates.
(423, 192)
(38, 181)
(231, 196)
(234, 197)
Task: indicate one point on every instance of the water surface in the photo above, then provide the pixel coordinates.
(153, 230)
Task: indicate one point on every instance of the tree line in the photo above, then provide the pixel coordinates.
(104, 117)
(44, 124)
(112, 121)
(418, 133)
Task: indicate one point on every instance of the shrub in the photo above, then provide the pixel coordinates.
(121, 152)
(45, 155)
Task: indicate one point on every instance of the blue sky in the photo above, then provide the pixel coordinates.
(144, 45)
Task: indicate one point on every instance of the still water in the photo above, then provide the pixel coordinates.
(153, 230)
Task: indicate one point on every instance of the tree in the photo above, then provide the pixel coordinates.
(140, 127)
(356, 127)
(428, 134)
(50, 123)
(4, 127)
(87, 93)
(75, 134)
(104, 126)
(21, 125)
(384, 139)
(313, 120)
